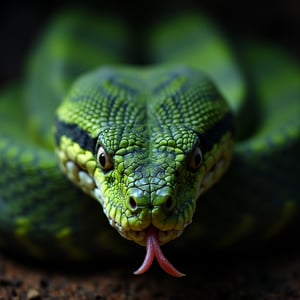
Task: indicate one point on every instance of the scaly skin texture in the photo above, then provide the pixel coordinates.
(152, 138)
(146, 142)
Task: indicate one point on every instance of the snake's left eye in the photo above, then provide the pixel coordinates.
(195, 158)
(103, 159)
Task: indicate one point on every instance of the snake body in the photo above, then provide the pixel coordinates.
(147, 141)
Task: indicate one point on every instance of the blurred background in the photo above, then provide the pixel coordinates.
(20, 23)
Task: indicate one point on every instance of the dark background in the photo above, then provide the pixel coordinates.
(20, 22)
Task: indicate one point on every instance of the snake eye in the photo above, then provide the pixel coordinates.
(195, 159)
(104, 159)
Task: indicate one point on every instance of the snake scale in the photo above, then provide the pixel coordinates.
(146, 141)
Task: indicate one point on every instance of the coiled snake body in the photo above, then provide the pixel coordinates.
(147, 142)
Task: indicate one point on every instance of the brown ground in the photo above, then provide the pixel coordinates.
(265, 276)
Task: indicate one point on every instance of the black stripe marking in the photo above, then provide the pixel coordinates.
(167, 82)
(215, 133)
(76, 134)
(86, 142)
(114, 80)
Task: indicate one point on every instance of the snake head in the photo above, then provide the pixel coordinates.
(146, 145)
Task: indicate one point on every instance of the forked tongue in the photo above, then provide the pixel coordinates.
(153, 250)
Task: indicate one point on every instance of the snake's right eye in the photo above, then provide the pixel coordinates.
(104, 160)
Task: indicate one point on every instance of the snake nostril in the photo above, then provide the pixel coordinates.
(132, 204)
(169, 203)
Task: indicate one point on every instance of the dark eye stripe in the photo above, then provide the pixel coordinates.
(215, 133)
(76, 134)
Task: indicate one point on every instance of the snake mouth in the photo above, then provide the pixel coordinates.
(87, 183)
(140, 236)
(150, 237)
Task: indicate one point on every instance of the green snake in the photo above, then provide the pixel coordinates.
(147, 140)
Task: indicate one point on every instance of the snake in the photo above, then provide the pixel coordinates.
(207, 119)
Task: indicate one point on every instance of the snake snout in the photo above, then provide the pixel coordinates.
(156, 210)
(166, 203)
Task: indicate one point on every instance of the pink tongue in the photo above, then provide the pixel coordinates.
(153, 250)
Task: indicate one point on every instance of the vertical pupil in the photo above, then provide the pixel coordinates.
(102, 159)
(197, 159)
